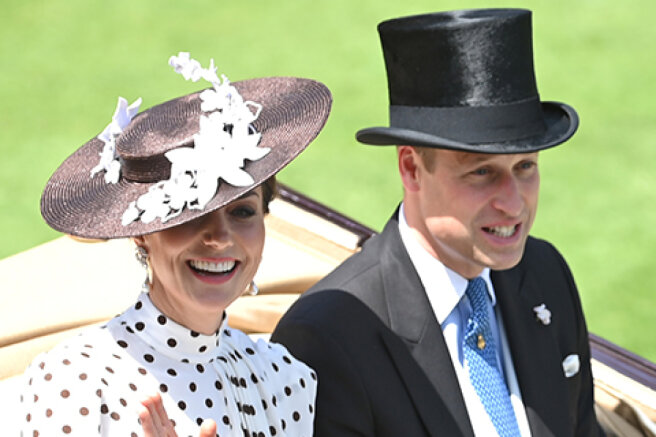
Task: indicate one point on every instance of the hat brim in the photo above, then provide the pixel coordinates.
(561, 122)
(294, 111)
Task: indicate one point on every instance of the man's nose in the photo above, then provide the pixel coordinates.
(508, 198)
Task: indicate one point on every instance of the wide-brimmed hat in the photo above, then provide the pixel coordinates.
(464, 80)
(185, 157)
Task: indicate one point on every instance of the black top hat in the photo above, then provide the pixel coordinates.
(464, 80)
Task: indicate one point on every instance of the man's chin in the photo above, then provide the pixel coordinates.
(501, 262)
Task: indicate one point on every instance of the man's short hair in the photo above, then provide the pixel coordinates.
(427, 155)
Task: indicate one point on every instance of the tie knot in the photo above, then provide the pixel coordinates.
(477, 294)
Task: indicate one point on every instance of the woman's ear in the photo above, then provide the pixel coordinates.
(409, 167)
(140, 241)
(142, 255)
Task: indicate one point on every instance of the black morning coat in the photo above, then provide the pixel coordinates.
(383, 366)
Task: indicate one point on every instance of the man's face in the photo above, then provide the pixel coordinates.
(474, 210)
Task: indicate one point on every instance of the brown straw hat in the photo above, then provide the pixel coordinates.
(293, 111)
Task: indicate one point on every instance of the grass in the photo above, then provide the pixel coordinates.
(66, 61)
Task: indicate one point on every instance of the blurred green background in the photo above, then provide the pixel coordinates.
(66, 61)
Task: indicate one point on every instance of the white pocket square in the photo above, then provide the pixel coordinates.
(571, 365)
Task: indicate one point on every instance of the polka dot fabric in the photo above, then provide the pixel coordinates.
(93, 384)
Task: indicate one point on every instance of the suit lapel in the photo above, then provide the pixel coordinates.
(533, 349)
(411, 318)
(532, 346)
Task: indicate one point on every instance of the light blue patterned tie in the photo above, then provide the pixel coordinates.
(480, 354)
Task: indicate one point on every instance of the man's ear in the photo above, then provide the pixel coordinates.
(409, 167)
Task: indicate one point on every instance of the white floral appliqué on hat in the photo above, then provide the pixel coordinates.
(225, 139)
(108, 158)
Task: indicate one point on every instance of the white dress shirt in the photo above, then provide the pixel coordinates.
(446, 292)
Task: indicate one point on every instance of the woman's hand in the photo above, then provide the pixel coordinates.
(156, 423)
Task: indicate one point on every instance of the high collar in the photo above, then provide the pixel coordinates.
(169, 337)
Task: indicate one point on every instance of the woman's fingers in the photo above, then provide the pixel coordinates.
(154, 420)
(146, 419)
(162, 417)
(208, 428)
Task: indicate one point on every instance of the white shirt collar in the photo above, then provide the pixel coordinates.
(443, 286)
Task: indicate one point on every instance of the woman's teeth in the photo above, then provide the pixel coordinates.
(501, 231)
(212, 267)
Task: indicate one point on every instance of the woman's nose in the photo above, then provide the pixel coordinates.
(216, 230)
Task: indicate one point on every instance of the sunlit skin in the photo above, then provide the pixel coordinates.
(472, 210)
(196, 298)
(156, 423)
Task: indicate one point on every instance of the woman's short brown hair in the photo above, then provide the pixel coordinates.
(269, 191)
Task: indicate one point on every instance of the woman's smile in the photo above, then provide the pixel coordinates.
(217, 271)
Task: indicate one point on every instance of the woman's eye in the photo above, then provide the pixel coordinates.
(243, 212)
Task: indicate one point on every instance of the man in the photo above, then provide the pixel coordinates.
(453, 321)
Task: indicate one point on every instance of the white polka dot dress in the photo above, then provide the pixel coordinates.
(93, 383)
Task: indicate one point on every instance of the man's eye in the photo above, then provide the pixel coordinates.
(481, 171)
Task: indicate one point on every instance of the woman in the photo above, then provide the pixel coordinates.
(189, 180)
